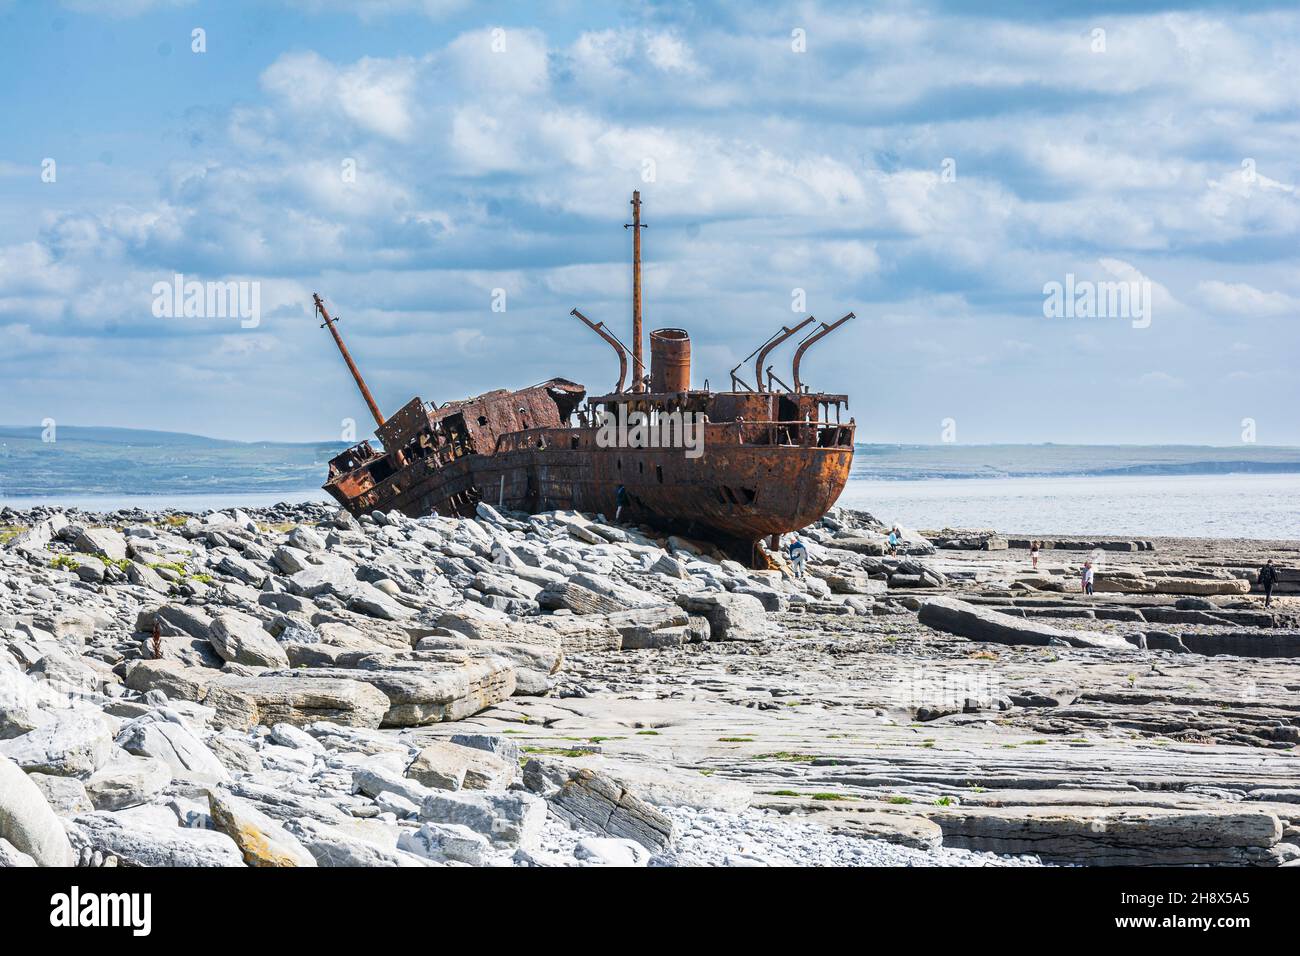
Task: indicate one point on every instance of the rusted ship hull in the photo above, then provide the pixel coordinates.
(741, 490)
(747, 494)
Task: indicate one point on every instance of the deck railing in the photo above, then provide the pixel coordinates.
(794, 434)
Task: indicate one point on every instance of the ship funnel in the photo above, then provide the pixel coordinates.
(670, 361)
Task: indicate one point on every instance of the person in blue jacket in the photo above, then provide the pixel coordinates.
(798, 555)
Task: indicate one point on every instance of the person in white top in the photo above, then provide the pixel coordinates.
(1087, 577)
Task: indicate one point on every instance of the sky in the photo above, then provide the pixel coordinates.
(453, 178)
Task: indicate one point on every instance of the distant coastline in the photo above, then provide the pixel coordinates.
(95, 462)
(953, 461)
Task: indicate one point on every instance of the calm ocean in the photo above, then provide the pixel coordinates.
(1142, 490)
(1193, 506)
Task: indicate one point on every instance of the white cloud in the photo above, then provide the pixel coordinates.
(1241, 299)
(670, 54)
(373, 95)
(498, 61)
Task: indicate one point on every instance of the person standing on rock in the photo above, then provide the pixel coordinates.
(1268, 578)
(1087, 577)
(1033, 553)
(620, 501)
(798, 556)
(894, 539)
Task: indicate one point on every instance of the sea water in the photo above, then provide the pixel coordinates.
(1193, 506)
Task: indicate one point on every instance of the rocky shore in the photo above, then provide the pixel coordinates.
(295, 687)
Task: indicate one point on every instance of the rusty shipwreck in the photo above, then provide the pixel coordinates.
(774, 457)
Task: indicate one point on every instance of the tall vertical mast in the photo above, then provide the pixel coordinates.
(638, 366)
(347, 357)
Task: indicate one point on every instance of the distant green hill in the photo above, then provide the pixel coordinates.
(114, 436)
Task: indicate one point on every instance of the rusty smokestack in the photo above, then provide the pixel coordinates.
(670, 361)
(347, 357)
(638, 364)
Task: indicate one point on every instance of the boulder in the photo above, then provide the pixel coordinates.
(578, 599)
(484, 624)
(444, 842)
(853, 582)
(657, 640)
(662, 626)
(609, 851)
(262, 841)
(164, 735)
(290, 560)
(375, 781)
(11, 856)
(75, 744)
(241, 569)
(535, 664)
(861, 544)
(421, 692)
(20, 700)
(510, 819)
(66, 795)
(306, 539)
(241, 702)
(584, 633)
(138, 843)
(103, 541)
(331, 576)
(127, 781)
(589, 800)
(283, 805)
(673, 567)
(27, 821)
(731, 617)
(450, 766)
(503, 747)
(626, 595)
(241, 639)
(144, 576)
(336, 846)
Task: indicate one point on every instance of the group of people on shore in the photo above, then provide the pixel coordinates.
(1267, 576)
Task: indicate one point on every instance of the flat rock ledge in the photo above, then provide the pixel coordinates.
(1127, 836)
(983, 624)
(241, 702)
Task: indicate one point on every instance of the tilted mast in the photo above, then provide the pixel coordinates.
(347, 357)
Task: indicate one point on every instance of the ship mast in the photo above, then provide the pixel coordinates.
(638, 366)
(347, 357)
